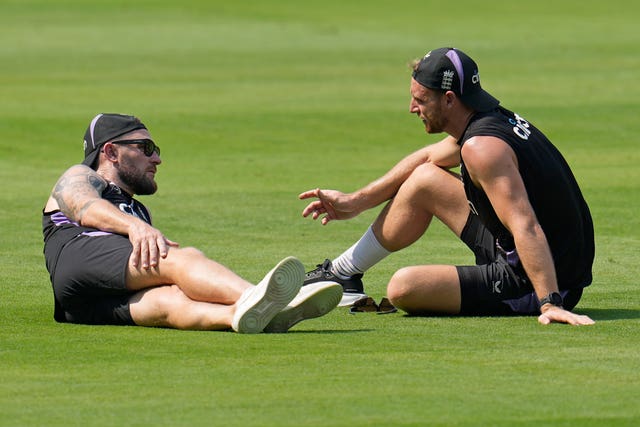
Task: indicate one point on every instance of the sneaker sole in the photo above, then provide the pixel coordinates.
(315, 300)
(282, 285)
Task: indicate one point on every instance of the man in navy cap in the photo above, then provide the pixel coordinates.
(109, 265)
(515, 204)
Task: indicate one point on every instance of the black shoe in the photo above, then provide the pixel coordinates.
(352, 288)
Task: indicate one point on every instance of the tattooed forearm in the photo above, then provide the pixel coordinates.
(76, 190)
(83, 209)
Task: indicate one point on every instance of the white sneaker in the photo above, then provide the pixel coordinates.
(258, 305)
(314, 300)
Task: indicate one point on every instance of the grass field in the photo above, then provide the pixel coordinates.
(254, 102)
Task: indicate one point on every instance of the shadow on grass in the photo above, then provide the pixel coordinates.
(603, 314)
(600, 314)
(328, 331)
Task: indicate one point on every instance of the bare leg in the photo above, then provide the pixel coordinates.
(200, 278)
(425, 289)
(168, 306)
(430, 191)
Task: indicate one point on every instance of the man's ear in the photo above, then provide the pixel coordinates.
(449, 98)
(110, 151)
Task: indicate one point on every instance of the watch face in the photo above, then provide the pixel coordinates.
(556, 299)
(553, 298)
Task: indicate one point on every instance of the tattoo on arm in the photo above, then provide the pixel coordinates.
(83, 209)
(97, 182)
(76, 191)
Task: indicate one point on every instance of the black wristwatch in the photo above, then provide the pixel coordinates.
(553, 298)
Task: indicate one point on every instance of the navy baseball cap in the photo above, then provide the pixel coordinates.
(103, 128)
(448, 68)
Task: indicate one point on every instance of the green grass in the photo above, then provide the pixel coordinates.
(254, 102)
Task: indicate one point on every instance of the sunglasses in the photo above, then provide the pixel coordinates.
(148, 146)
(368, 305)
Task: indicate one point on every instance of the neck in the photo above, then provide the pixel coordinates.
(115, 181)
(460, 123)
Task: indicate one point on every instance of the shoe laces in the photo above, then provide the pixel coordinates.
(322, 270)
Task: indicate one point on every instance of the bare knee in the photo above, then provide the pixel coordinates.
(155, 306)
(400, 289)
(187, 254)
(181, 261)
(426, 176)
(438, 192)
(425, 289)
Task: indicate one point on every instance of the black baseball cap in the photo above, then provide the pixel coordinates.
(448, 68)
(103, 128)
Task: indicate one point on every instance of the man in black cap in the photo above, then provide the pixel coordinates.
(515, 204)
(109, 265)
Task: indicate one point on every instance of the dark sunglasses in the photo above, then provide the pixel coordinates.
(148, 146)
(368, 305)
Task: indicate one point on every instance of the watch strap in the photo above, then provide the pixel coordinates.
(554, 298)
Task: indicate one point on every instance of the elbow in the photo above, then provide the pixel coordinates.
(80, 214)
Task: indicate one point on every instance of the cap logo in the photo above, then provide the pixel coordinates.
(447, 79)
(475, 79)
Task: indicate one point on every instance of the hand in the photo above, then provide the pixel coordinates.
(148, 242)
(560, 315)
(335, 204)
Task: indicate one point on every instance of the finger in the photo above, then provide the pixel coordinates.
(318, 212)
(163, 248)
(135, 255)
(582, 320)
(544, 319)
(308, 194)
(311, 207)
(171, 243)
(153, 253)
(586, 320)
(144, 255)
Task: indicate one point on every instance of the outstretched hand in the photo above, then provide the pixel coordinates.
(331, 203)
(148, 244)
(560, 315)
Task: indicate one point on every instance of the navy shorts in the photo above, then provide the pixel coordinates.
(89, 280)
(497, 285)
